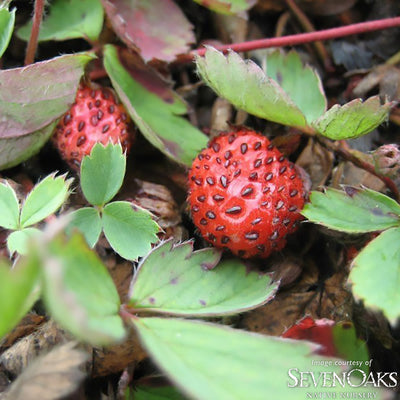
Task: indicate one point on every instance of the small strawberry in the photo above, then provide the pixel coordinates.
(96, 116)
(244, 194)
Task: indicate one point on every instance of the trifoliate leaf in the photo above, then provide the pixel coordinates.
(79, 292)
(129, 229)
(353, 119)
(375, 274)
(18, 241)
(88, 221)
(209, 361)
(7, 20)
(155, 108)
(102, 173)
(301, 83)
(246, 86)
(17, 287)
(352, 210)
(44, 199)
(175, 280)
(9, 206)
(69, 19)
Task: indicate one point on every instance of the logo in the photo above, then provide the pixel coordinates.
(341, 385)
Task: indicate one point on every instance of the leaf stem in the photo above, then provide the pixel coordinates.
(339, 148)
(300, 38)
(33, 40)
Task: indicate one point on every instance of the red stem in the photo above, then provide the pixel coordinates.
(300, 38)
(33, 40)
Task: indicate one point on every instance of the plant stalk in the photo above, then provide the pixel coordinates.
(33, 39)
(300, 38)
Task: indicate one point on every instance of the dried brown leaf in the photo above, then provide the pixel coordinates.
(50, 376)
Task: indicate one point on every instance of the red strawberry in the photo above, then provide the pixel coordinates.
(244, 194)
(96, 116)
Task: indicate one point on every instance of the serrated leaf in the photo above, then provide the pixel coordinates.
(69, 19)
(79, 292)
(353, 119)
(153, 106)
(15, 150)
(32, 97)
(141, 25)
(300, 82)
(129, 230)
(88, 221)
(18, 241)
(209, 361)
(375, 274)
(102, 173)
(352, 210)
(16, 292)
(229, 7)
(9, 206)
(245, 85)
(44, 199)
(175, 280)
(7, 20)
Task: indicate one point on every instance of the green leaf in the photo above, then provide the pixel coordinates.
(175, 280)
(7, 20)
(375, 274)
(155, 393)
(153, 106)
(9, 206)
(301, 83)
(34, 96)
(129, 229)
(209, 361)
(352, 210)
(353, 119)
(348, 345)
(79, 292)
(69, 19)
(102, 173)
(229, 7)
(246, 86)
(88, 221)
(15, 150)
(17, 292)
(44, 199)
(18, 241)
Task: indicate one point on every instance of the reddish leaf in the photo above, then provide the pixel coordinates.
(34, 96)
(318, 331)
(158, 28)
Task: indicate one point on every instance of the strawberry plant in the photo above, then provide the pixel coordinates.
(128, 228)
(268, 242)
(44, 199)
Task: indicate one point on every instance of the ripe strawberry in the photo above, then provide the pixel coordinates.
(244, 194)
(96, 116)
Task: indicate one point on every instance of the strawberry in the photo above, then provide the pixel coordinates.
(96, 116)
(244, 194)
